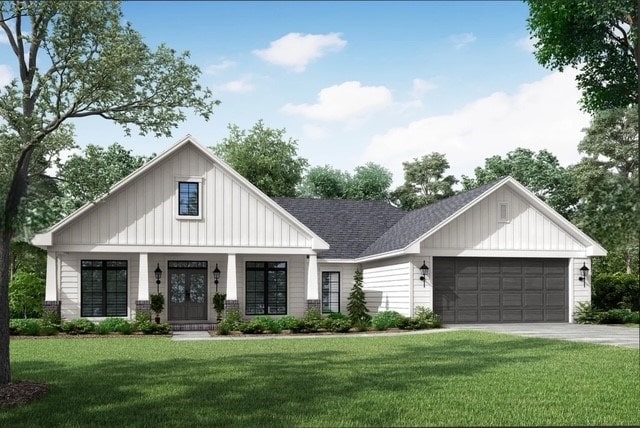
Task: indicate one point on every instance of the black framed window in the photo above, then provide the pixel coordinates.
(330, 292)
(103, 288)
(188, 198)
(266, 288)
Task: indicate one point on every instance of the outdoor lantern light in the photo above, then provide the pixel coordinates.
(158, 273)
(216, 276)
(584, 270)
(424, 270)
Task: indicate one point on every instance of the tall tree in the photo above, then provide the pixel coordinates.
(78, 59)
(540, 172)
(369, 182)
(264, 157)
(598, 37)
(324, 182)
(607, 181)
(425, 182)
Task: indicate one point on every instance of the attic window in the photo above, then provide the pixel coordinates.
(503, 212)
(189, 198)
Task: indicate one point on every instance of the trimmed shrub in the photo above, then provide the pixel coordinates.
(232, 321)
(312, 321)
(114, 325)
(288, 322)
(150, 327)
(616, 316)
(78, 326)
(423, 318)
(25, 327)
(143, 316)
(386, 320)
(260, 325)
(339, 325)
(587, 314)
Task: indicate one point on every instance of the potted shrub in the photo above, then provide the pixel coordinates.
(157, 305)
(218, 304)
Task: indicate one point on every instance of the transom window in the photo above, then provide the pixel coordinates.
(188, 198)
(330, 292)
(103, 288)
(266, 288)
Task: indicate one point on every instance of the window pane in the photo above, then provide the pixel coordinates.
(188, 198)
(330, 292)
(266, 288)
(176, 264)
(103, 288)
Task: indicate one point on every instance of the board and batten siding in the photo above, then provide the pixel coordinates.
(387, 287)
(144, 212)
(480, 228)
(579, 291)
(347, 270)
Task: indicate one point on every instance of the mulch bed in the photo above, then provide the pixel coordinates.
(21, 392)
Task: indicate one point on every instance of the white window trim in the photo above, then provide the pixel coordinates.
(506, 218)
(176, 205)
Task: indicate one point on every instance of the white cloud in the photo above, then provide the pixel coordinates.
(462, 39)
(349, 100)
(527, 44)
(315, 132)
(240, 86)
(541, 115)
(421, 87)
(295, 50)
(221, 66)
(5, 75)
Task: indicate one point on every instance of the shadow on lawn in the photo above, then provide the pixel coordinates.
(268, 388)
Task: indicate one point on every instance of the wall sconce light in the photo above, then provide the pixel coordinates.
(424, 270)
(158, 273)
(216, 276)
(584, 270)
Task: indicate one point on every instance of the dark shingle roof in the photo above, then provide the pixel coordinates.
(416, 223)
(365, 228)
(349, 227)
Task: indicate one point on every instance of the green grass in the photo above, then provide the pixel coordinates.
(447, 378)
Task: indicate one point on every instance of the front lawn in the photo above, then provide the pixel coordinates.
(448, 378)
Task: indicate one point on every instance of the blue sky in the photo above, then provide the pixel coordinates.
(366, 81)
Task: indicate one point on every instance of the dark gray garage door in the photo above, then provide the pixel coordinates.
(479, 290)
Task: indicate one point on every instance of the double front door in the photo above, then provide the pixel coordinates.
(187, 291)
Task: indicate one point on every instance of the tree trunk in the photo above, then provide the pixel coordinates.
(5, 366)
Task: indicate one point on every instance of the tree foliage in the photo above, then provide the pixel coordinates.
(607, 181)
(425, 182)
(540, 172)
(75, 60)
(26, 295)
(598, 37)
(357, 306)
(368, 182)
(264, 157)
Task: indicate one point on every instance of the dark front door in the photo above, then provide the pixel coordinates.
(187, 294)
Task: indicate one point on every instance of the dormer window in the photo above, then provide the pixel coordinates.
(189, 198)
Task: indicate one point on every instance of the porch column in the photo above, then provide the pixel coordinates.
(313, 300)
(231, 303)
(142, 303)
(51, 302)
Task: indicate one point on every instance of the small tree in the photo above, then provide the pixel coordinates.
(357, 306)
(157, 305)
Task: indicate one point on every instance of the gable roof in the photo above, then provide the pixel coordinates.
(348, 226)
(45, 239)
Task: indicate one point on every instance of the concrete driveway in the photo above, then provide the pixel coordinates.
(628, 337)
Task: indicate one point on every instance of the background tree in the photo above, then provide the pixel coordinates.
(540, 172)
(264, 157)
(369, 182)
(324, 182)
(27, 294)
(86, 176)
(424, 182)
(78, 59)
(607, 181)
(597, 37)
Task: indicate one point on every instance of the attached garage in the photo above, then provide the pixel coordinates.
(495, 290)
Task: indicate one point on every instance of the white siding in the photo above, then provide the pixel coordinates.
(480, 229)
(387, 287)
(580, 290)
(422, 292)
(145, 211)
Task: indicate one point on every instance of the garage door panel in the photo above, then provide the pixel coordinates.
(511, 283)
(511, 299)
(500, 290)
(489, 300)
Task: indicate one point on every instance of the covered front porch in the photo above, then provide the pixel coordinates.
(97, 285)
